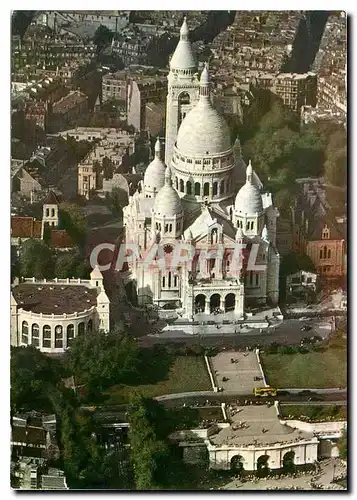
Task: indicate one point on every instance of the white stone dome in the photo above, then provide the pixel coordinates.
(183, 57)
(203, 131)
(154, 177)
(249, 199)
(167, 201)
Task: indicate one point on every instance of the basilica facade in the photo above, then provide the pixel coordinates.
(204, 195)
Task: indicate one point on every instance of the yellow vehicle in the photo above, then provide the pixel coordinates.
(265, 391)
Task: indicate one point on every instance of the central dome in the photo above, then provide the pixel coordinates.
(203, 131)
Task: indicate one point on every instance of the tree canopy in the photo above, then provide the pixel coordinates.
(99, 360)
(32, 374)
(74, 222)
(36, 259)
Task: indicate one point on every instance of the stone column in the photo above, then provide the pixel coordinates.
(221, 304)
(207, 307)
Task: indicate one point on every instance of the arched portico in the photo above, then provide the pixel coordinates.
(215, 302)
(263, 465)
(237, 463)
(200, 303)
(229, 302)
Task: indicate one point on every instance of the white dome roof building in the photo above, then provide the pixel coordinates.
(167, 211)
(154, 177)
(203, 161)
(201, 199)
(183, 60)
(248, 206)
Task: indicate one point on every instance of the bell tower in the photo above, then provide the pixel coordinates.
(183, 87)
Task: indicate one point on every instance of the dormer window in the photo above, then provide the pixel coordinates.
(325, 233)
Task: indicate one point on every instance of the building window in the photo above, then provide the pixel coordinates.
(325, 252)
(35, 337)
(25, 332)
(182, 189)
(175, 281)
(58, 337)
(163, 282)
(176, 183)
(188, 187)
(257, 279)
(215, 188)
(329, 254)
(169, 280)
(81, 328)
(206, 189)
(309, 280)
(52, 212)
(47, 212)
(70, 334)
(321, 253)
(170, 228)
(197, 188)
(46, 336)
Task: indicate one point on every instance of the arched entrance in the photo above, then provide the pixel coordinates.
(188, 188)
(206, 189)
(237, 463)
(229, 302)
(215, 302)
(288, 461)
(200, 303)
(263, 466)
(197, 189)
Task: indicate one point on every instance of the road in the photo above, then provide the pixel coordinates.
(287, 332)
(200, 399)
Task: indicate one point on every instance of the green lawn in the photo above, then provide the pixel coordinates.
(315, 413)
(187, 374)
(313, 369)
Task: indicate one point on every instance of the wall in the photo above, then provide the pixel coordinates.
(318, 427)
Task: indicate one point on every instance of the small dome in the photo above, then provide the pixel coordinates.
(167, 201)
(249, 200)
(154, 177)
(205, 78)
(203, 131)
(183, 56)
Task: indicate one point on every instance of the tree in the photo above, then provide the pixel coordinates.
(99, 360)
(117, 199)
(102, 37)
(71, 265)
(149, 451)
(36, 259)
(74, 222)
(294, 262)
(32, 375)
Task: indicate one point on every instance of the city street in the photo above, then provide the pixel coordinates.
(286, 332)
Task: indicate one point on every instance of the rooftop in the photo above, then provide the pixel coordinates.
(248, 424)
(51, 298)
(25, 227)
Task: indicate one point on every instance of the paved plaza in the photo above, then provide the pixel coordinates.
(330, 468)
(239, 368)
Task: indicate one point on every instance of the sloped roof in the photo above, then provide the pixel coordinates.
(51, 199)
(61, 239)
(25, 227)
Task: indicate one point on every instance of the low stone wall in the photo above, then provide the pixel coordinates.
(211, 374)
(333, 428)
(261, 368)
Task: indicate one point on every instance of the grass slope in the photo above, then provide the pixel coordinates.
(187, 373)
(312, 369)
